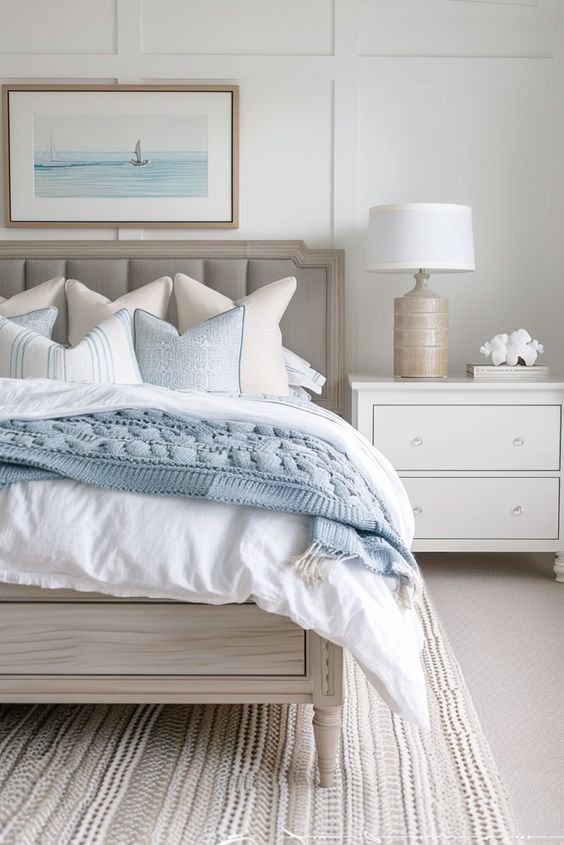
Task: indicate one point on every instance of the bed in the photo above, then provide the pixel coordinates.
(237, 642)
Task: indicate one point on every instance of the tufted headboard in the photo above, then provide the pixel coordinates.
(312, 326)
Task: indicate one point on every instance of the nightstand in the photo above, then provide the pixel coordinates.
(481, 461)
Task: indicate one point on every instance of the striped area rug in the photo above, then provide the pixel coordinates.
(211, 775)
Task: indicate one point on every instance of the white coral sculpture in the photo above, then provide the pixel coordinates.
(516, 348)
(497, 348)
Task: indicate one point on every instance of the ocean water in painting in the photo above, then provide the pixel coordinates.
(141, 173)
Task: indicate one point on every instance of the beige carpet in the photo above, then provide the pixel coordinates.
(209, 774)
(504, 617)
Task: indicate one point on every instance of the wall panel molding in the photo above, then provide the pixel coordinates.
(291, 28)
(80, 27)
(505, 33)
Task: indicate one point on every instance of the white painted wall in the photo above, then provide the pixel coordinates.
(350, 103)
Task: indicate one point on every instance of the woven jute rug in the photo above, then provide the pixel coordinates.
(205, 775)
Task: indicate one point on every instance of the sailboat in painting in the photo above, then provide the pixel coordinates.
(138, 161)
(50, 158)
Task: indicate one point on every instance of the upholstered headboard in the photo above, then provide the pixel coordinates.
(312, 326)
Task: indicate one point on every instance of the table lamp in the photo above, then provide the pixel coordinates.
(418, 238)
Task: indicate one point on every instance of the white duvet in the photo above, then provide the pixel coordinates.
(66, 534)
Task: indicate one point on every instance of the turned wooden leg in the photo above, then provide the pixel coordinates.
(327, 732)
(559, 567)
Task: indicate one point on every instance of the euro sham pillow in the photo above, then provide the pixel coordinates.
(299, 393)
(206, 357)
(262, 361)
(106, 354)
(45, 295)
(87, 309)
(40, 321)
(301, 374)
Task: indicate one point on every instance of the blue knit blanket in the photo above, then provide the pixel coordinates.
(153, 452)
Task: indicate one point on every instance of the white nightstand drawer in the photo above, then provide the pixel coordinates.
(469, 437)
(484, 508)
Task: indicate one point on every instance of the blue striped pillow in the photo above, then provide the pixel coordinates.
(105, 354)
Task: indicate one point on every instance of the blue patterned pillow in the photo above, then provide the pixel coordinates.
(40, 321)
(206, 357)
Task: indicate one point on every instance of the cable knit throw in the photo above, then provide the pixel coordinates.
(153, 452)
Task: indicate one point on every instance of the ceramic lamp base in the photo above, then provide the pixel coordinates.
(421, 333)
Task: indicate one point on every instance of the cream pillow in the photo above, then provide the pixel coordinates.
(87, 309)
(33, 299)
(262, 361)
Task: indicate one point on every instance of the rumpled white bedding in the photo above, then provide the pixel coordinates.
(66, 534)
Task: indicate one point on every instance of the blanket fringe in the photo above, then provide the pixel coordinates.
(316, 564)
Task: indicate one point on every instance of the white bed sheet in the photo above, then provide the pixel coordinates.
(68, 534)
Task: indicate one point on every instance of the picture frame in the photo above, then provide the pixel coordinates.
(113, 156)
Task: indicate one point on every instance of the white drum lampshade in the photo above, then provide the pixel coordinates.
(419, 238)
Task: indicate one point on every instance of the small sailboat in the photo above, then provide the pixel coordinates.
(50, 158)
(138, 161)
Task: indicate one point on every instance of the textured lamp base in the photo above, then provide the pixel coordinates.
(421, 333)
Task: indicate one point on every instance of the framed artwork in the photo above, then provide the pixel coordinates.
(121, 155)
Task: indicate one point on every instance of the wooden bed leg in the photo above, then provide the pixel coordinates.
(325, 661)
(327, 732)
(559, 567)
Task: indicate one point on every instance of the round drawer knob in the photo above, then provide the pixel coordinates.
(519, 441)
(417, 511)
(517, 511)
(417, 441)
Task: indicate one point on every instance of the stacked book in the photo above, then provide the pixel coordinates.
(521, 373)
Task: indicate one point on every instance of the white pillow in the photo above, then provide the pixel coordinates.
(45, 295)
(87, 309)
(299, 392)
(106, 354)
(301, 373)
(262, 361)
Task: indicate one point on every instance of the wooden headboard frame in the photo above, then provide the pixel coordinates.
(328, 264)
